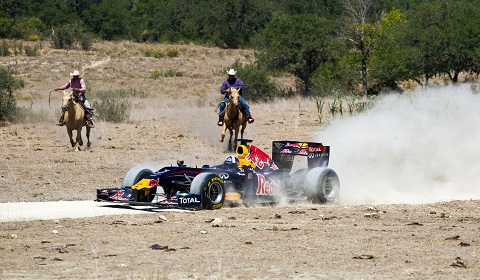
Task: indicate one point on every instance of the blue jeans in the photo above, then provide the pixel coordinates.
(242, 101)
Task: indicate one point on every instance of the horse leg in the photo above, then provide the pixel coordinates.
(88, 137)
(243, 129)
(222, 137)
(70, 135)
(79, 139)
(230, 140)
(236, 137)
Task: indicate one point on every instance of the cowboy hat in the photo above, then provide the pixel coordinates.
(75, 73)
(232, 72)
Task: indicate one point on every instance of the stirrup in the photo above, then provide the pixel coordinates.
(220, 123)
(90, 124)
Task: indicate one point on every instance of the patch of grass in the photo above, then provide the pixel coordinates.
(32, 51)
(155, 74)
(171, 52)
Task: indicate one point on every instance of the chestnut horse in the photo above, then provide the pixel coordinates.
(234, 119)
(74, 120)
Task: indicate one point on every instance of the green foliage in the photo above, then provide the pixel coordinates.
(71, 36)
(298, 44)
(108, 18)
(4, 48)
(258, 86)
(27, 28)
(5, 27)
(8, 84)
(32, 51)
(320, 104)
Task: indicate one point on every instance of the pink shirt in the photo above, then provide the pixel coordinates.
(78, 83)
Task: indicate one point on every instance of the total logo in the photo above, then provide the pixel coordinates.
(188, 200)
(266, 187)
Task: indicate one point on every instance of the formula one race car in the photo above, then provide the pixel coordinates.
(251, 176)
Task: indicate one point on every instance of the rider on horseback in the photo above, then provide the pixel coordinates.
(234, 82)
(79, 88)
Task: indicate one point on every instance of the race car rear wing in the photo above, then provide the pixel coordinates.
(284, 152)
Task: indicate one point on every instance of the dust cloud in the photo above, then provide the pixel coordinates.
(417, 147)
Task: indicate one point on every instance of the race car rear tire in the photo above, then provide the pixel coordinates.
(322, 185)
(211, 188)
(133, 176)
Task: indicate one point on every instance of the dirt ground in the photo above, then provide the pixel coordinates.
(302, 241)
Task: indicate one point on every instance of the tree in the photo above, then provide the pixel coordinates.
(297, 44)
(360, 33)
(393, 60)
(108, 18)
(447, 37)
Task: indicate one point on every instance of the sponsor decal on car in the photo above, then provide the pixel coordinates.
(189, 200)
(119, 196)
(266, 187)
(232, 196)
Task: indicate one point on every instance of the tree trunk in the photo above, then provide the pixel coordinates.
(307, 86)
(364, 77)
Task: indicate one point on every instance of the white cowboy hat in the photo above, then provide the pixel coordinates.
(232, 72)
(75, 73)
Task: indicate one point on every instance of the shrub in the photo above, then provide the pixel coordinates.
(257, 84)
(32, 51)
(111, 105)
(70, 36)
(172, 52)
(8, 84)
(4, 48)
(112, 109)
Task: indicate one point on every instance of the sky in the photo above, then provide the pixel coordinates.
(417, 147)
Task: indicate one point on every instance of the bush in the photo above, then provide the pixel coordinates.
(32, 51)
(258, 86)
(4, 48)
(8, 84)
(111, 105)
(70, 36)
(112, 109)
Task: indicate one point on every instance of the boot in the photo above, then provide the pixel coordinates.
(250, 119)
(61, 121)
(220, 120)
(89, 122)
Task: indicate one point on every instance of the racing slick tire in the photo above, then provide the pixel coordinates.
(133, 176)
(211, 188)
(322, 185)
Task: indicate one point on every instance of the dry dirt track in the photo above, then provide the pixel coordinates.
(347, 241)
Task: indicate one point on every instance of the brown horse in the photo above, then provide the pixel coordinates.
(74, 120)
(234, 119)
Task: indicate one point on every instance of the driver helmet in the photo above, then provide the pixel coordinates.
(231, 161)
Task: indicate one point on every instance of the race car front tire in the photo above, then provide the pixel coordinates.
(322, 185)
(133, 176)
(211, 188)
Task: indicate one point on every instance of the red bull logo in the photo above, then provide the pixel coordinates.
(266, 187)
(260, 158)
